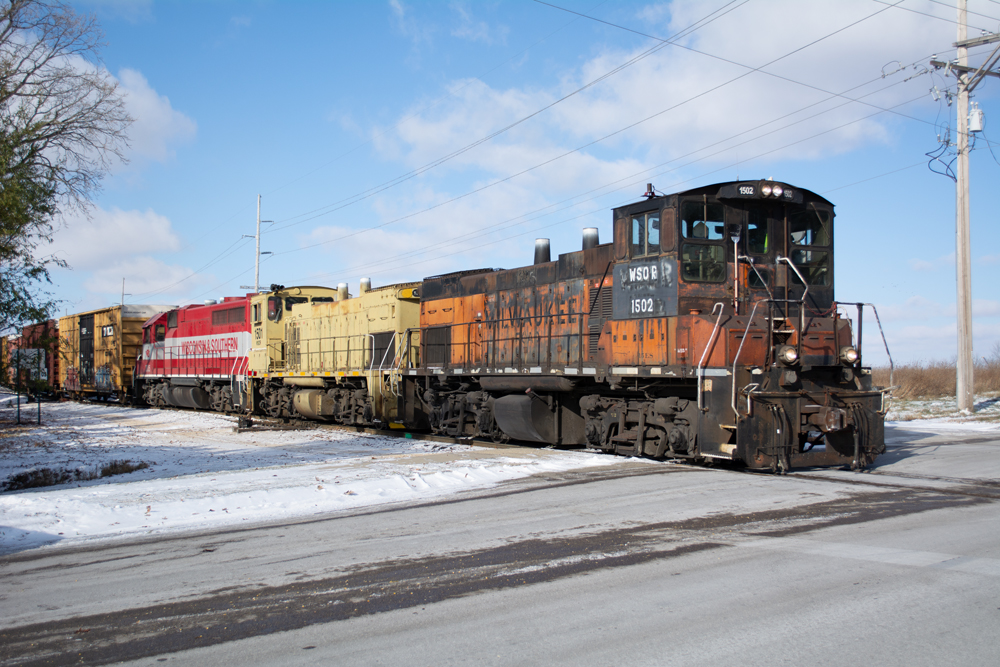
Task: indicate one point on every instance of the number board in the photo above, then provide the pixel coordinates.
(645, 288)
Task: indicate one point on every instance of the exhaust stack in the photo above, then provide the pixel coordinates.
(342, 294)
(591, 238)
(366, 284)
(542, 255)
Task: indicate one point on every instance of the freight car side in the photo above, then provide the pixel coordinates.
(98, 350)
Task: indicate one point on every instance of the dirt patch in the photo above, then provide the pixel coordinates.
(39, 477)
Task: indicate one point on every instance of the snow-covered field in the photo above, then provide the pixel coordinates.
(945, 410)
(202, 474)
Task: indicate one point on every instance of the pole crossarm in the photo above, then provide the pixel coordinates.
(961, 68)
(978, 41)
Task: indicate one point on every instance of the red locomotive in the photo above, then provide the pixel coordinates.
(196, 356)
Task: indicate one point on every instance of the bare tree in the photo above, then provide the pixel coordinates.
(63, 124)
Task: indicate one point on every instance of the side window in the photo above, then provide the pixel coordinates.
(256, 313)
(161, 333)
(172, 319)
(274, 308)
(292, 300)
(645, 234)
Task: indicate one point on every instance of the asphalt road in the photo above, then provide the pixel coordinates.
(639, 564)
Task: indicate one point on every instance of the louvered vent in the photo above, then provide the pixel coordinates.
(600, 311)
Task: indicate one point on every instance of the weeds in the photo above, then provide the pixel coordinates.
(936, 379)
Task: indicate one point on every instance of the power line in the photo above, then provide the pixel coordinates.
(431, 105)
(952, 7)
(914, 11)
(710, 55)
(424, 108)
(645, 175)
(353, 199)
(586, 145)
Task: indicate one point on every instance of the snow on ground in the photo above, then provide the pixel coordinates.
(203, 474)
(944, 412)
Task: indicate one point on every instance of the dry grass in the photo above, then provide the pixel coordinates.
(936, 379)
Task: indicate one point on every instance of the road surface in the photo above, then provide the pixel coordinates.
(633, 564)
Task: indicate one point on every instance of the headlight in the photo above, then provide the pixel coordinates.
(787, 355)
(777, 190)
(848, 355)
(765, 190)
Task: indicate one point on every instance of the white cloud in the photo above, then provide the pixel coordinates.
(925, 266)
(158, 127)
(680, 105)
(407, 25)
(109, 235)
(476, 31)
(143, 275)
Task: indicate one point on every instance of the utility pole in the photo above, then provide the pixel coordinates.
(964, 390)
(256, 266)
(968, 79)
(123, 293)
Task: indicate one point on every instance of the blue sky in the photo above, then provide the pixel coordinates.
(367, 127)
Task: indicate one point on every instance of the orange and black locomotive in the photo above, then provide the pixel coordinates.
(707, 329)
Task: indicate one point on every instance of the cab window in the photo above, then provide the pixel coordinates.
(292, 300)
(814, 265)
(809, 227)
(703, 263)
(256, 313)
(757, 238)
(810, 231)
(274, 308)
(703, 220)
(161, 333)
(703, 255)
(645, 234)
(172, 319)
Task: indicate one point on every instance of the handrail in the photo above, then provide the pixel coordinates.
(737, 357)
(802, 301)
(711, 341)
(762, 281)
(388, 347)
